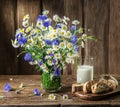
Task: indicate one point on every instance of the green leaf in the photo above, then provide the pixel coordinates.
(91, 38)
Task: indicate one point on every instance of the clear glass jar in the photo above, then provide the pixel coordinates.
(85, 71)
(50, 84)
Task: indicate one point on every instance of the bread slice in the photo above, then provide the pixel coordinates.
(87, 86)
(100, 87)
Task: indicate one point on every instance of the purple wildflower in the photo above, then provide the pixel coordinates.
(51, 55)
(76, 48)
(42, 17)
(46, 23)
(7, 87)
(39, 63)
(48, 42)
(57, 72)
(27, 57)
(74, 39)
(56, 42)
(73, 27)
(37, 92)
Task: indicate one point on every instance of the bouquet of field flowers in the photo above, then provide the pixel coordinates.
(50, 47)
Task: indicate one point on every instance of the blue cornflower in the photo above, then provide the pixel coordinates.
(73, 27)
(42, 17)
(48, 42)
(37, 92)
(74, 39)
(51, 55)
(76, 48)
(57, 72)
(22, 40)
(46, 23)
(54, 61)
(17, 36)
(40, 63)
(7, 87)
(27, 57)
(56, 42)
(58, 26)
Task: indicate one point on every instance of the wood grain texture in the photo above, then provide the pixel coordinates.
(8, 60)
(114, 37)
(33, 8)
(32, 81)
(74, 10)
(54, 7)
(101, 16)
(97, 19)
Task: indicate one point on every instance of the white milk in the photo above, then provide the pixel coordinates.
(84, 73)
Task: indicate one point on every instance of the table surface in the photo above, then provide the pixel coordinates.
(33, 81)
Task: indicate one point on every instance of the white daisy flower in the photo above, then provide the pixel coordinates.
(64, 27)
(26, 17)
(49, 51)
(68, 34)
(46, 70)
(80, 30)
(56, 18)
(66, 18)
(62, 33)
(43, 28)
(25, 23)
(50, 28)
(84, 37)
(75, 22)
(69, 46)
(47, 57)
(63, 45)
(39, 23)
(28, 29)
(65, 97)
(45, 12)
(55, 48)
(43, 66)
(51, 97)
(69, 60)
(20, 30)
(15, 43)
(57, 56)
(49, 62)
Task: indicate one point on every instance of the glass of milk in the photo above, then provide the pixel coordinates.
(85, 72)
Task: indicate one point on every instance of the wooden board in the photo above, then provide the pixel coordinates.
(114, 37)
(31, 7)
(97, 20)
(74, 10)
(33, 81)
(101, 96)
(8, 60)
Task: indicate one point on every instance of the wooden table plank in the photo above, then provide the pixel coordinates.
(33, 81)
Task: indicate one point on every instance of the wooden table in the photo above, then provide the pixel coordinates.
(33, 81)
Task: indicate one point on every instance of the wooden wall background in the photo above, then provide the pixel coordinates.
(102, 16)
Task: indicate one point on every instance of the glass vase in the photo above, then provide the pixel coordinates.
(50, 83)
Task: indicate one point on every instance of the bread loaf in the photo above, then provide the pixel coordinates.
(100, 87)
(87, 86)
(111, 79)
(105, 84)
